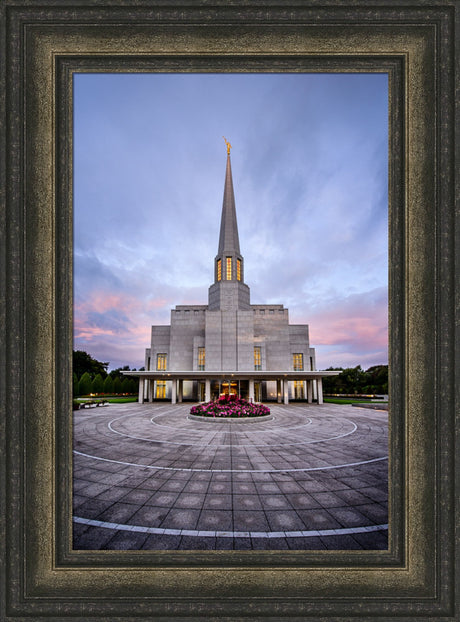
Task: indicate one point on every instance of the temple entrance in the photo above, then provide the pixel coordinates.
(229, 388)
(215, 389)
(160, 390)
(244, 389)
(257, 392)
(201, 391)
(299, 391)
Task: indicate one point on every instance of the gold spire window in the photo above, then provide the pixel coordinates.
(201, 359)
(229, 268)
(238, 269)
(257, 359)
(297, 361)
(162, 360)
(219, 269)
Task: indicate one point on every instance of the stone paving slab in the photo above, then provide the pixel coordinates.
(147, 476)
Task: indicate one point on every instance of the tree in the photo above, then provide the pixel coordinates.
(126, 385)
(116, 373)
(85, 384)
(108, 385)
(330, 383)
(117, 385)
(84, 363)
(97, 384)
(377, 377)
(355, 380)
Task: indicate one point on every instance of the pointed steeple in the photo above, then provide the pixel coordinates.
(228, 290)
(228, 239)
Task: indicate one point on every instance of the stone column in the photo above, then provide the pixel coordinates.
(180, 392)
(309, 391)
(315, 392)
(207, 390)
(140, 398)
(286, 391)
(251, 390)
(150, 390)
(278, 391)
(173, 391)
(320, 390)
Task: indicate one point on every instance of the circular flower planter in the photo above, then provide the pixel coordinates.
(231, 408)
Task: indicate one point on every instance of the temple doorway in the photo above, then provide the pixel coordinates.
(229, 388)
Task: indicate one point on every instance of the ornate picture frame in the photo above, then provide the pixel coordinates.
(44, 44)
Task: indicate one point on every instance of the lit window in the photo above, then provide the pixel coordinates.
(219, 269)
(162, 360)
(297, 361)
(257, 359)
(229, 268)
(299, 390)
(201, 359)
(238, 269)
(161, 390)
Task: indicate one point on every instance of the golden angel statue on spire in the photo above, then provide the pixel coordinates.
(228, 145)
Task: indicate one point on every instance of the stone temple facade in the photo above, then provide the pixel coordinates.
(230, 345)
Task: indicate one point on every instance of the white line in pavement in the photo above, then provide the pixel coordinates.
(162, 468)
(273, 430)
(230, 534)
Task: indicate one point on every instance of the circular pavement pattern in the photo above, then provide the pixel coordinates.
(146, 476)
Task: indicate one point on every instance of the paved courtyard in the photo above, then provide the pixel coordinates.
(146, 476)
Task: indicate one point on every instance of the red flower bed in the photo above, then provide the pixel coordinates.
(230, 406)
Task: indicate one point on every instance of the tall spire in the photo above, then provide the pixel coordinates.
(228, 239)
(229, 290)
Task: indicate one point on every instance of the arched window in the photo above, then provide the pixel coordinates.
(238, 269)
(219, 269)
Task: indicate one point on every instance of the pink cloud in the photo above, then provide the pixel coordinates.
(330, 331)
(351, 330)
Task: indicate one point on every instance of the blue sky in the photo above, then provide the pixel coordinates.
(309, 160)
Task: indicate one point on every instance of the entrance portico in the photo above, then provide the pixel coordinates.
(231, 381)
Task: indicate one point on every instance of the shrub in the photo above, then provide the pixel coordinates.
(126, 385)
(97, 384)
(85, 384)
(108, 385)
(117, 386)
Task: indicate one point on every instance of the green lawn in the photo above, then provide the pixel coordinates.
(332, 400)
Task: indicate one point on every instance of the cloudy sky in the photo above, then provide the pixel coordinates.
(309, 159)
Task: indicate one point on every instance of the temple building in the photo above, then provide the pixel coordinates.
(230, 345)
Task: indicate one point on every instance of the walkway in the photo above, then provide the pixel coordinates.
(312, 477)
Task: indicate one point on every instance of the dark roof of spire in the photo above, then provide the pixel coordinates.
(228, 239)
